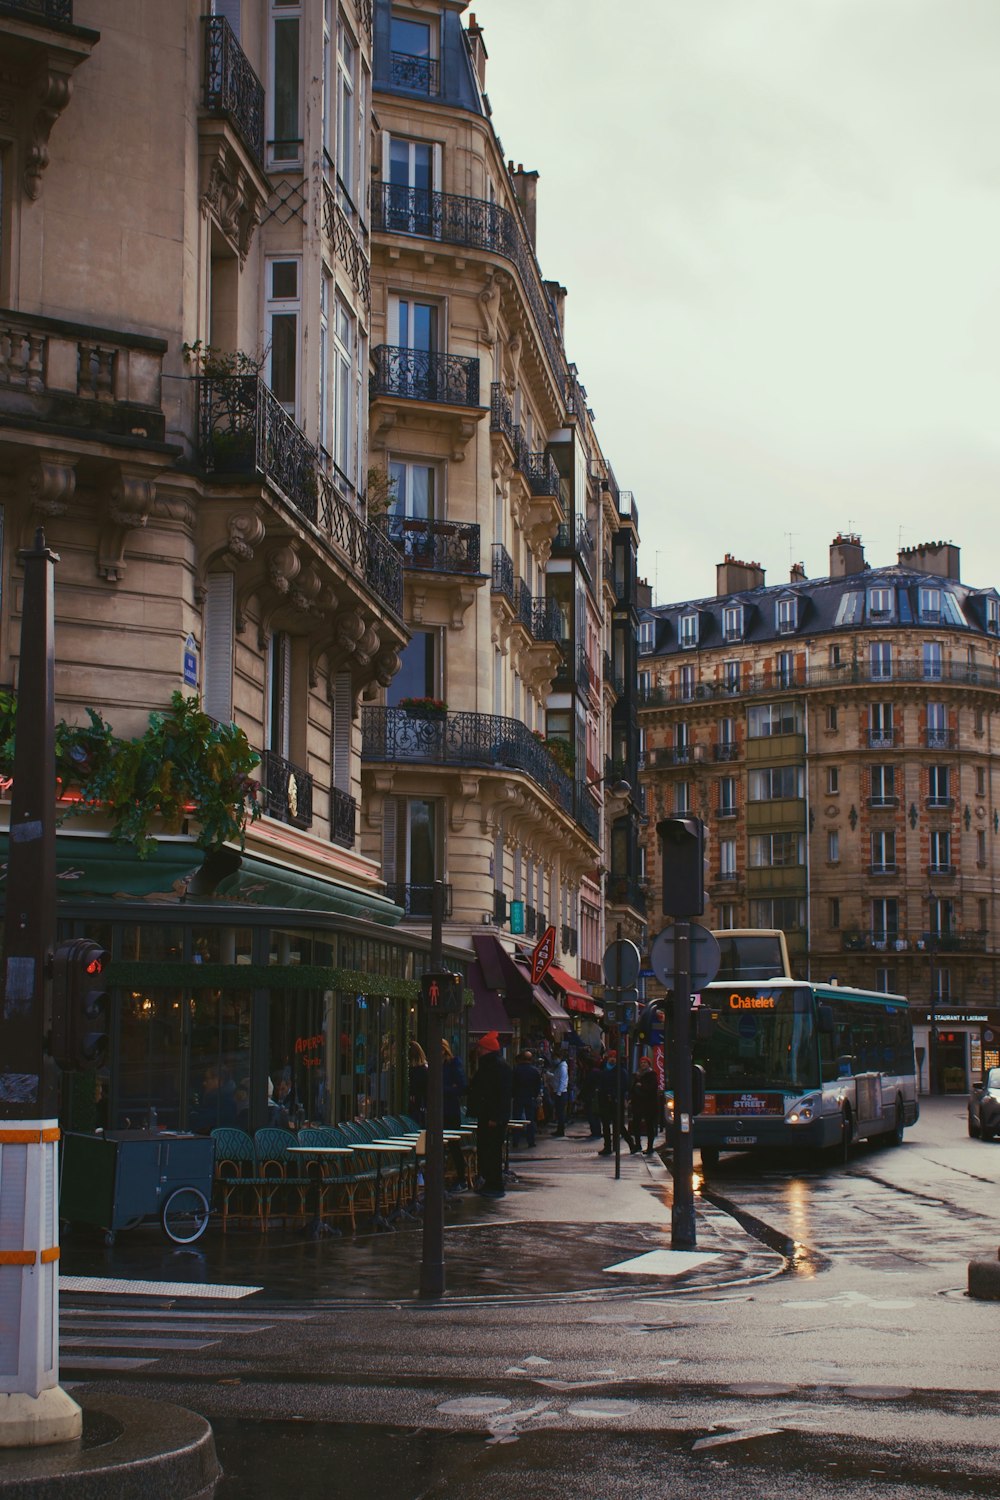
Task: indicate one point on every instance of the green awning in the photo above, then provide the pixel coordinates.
(100, 867)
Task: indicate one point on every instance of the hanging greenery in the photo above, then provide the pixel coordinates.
(186, 765)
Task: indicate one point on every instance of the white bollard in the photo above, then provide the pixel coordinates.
(33, 1408)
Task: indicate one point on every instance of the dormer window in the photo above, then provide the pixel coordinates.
(647, 635)
(993, 616)
(930, 605)
(414, 62)
(689, 631)
(732, 622)
(786, 615)
(880, 604)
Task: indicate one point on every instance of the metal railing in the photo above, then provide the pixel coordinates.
(422, 375)
(286, 790)
(541, 473)
(940, 739)
(422, 75)
(343, 818)
(759, 684)
(440, 546)
(892, 941)
(546, 620)
(456, 220)
(346, 243)
(59, 12)
(244, 430)
(502, 572)
(232, 88)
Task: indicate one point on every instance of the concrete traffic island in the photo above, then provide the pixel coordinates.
(131, 1449)
(984, 1279)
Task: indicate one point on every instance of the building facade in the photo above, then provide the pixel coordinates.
(839, 738)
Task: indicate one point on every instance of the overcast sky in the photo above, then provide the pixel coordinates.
(779, 223)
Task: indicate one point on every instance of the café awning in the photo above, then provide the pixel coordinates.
(575, 997)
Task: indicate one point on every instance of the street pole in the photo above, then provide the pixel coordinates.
(619, 1107)
(682, 1220)
(432, 1257)
(33, 1408)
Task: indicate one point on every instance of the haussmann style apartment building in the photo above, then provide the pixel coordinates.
(282, 383)
(840, 736)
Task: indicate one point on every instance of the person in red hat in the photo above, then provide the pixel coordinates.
(608, 1086)
(489, 1100)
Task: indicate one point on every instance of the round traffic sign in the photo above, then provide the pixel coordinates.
(705, 956)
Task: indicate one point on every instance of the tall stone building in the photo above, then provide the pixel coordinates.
(192, 337)
(839, 736)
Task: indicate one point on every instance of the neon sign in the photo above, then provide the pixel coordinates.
(751, 1002)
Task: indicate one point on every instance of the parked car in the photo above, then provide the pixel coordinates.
(984, 1106)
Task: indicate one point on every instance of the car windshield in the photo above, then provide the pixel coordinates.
(993, 1079)
(761, 1038)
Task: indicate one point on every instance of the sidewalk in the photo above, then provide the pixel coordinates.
(566, 1227)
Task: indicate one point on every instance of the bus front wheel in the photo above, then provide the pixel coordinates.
(842, 1150)
(897, 1131)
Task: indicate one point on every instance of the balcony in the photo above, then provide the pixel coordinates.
(725, 752)
(883, 739)
(940, 739)
(436, 546)
(502, 574)
(942, 872)
(727, 810)
(417, 75)
(75, 376)
(541, 473)
(232, 89)
(417, 900)
(767, 684)
(243, 432)
(882, 804)
(343, 818)
(623, 890)
(347, 244)
(421, 375)
(885, 868)
(286, 790)
(546, 621)
(941, 804)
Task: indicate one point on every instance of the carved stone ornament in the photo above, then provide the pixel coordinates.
(55, 87)
(130, 500)
(246, 530)
(230, 195)
(51, 484)
(489, 306)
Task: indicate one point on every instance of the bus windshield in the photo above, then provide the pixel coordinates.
(751, 956)
(761, 1038)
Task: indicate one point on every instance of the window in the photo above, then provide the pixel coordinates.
(726, 915)
(833, 846)
(885, 981)
(940, 852)
(879, 604)
(727, 731)
(885, 920)
(776, 851)
(773, 783)
(938, 737)
(835, 656)
(786, 912)
(834, 913)
(980, 721)
(983, 907)
(940, 918)
(832, 780)
(929, 604)
(689, 631)
(682, 741)
(344, 390)
(784, 668)
(768, 719)
(883, 786)
(881, 659)
(727, 859)
(731, 676)
(686, 682)
(786, 615)
(348, 132)
(647, 637)
(941, 984)
(883, 853)
(340, 732)
(881, 730)
(993, 616)
(682, 797)
(413, 171)
(732, 622)
(418, 675)
(217, 647)
(980, 846)
(831, 717)
(285, 91)
(414, 63)
(410, 843)
(980, 781)
(938, 786)
(727, 797)
(932, 661)
(283, 312)
(279, 690)
(414, 488)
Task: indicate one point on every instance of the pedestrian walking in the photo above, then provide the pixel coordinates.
(527, 1093)
(644, 1103)
(608, 1085)
(560, 1091)
(489, 1097)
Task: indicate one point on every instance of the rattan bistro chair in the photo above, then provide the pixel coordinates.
(236, 1176)
(278, 1172)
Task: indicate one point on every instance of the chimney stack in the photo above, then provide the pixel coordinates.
(477, 49)
(798, 573)
(734, 577)
(939, 558)
(847, 555)
(525, 186)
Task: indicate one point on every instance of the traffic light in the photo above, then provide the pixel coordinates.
(79, 1005)
(442, 991)
(682, 849)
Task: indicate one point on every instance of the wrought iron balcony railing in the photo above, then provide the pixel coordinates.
(421, 375)
(286, 790)
(232, 88)
(417, 900)
(471, 739)
(765, 684)
(893, 941)
(730, 751)
(546, 620)
(52, 12)
(942, 872)
(884, 869)
(622, 890)
(940, 739)
(481, 225)
(347, 244)
(882, 801)
(244, 430)
(421, 75)
(439, 546)
(502, 572)
(343, 818)
(541, 473)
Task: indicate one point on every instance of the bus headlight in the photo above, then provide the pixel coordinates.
(806, 1109)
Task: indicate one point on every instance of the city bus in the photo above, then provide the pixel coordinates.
(789, 1063)
(752, 953)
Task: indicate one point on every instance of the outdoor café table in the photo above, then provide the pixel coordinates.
(317, 1227)
(399, 1149)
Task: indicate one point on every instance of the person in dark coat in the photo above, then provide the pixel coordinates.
(453, 1086)
(527, 1084)
(489, 1100)
(607, 1102)
(644, 1102)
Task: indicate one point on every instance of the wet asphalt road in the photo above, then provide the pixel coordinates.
(856, 1366)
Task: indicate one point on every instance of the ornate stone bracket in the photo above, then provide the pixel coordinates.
(246, 530)
(464, 794)
(230, 194)
(129, 504)
(55, 90)
(373, 803)
(51, 485)
(461, 598)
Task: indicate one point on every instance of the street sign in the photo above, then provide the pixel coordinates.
(516, 911)
(543, 954)
(621, 964)
(706, 956)
(190, 662)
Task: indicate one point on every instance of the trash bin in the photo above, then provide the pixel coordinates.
(124, 1177)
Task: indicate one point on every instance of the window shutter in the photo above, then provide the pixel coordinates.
(342, 702)
(390, 824)
(217, 668)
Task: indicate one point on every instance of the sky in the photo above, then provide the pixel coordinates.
(778, 222)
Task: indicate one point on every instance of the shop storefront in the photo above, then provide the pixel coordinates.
(955, 1047)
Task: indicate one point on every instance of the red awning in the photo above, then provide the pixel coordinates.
(575, 997)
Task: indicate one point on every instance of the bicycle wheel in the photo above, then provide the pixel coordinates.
(185, 1215)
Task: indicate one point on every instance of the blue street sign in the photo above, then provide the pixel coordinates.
(190, 662)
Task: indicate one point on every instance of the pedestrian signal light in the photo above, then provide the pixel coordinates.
(79, 1034)
(682, 849)
(441, 991)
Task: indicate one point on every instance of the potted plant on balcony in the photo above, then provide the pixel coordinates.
(562, 752)
(424, 708)
(228, 399)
